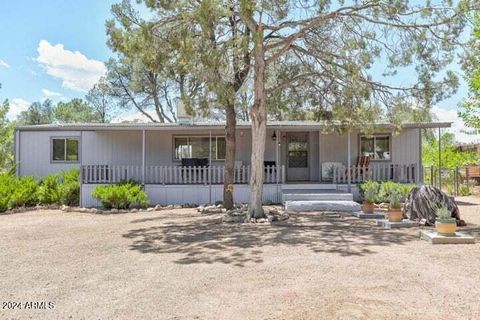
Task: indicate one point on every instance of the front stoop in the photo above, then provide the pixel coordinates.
(435, 238)
(405, 223)
(321, 205)
(375, 215)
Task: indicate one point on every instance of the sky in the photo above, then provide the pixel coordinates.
(56, 49)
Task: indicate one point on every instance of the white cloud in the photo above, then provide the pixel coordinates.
(50, 94)
(74, 69)
(4, 64)
(17, 105)
(458, 127)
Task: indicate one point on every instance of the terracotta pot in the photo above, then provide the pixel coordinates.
(446, 227)
(395, 215)
(368, 207)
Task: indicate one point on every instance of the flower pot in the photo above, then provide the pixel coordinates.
(446, 227)
(395, 215)
(368, 207)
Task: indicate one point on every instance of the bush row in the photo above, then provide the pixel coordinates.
(382, 191)
(60, 188)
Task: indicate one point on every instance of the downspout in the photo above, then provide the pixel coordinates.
(210, 167)
(278, 168)
(16, 161)
(349, 163)
(143, 158)
(80, 202)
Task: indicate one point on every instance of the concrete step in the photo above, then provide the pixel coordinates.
(321, 205)
(309, 186)
(287, 196)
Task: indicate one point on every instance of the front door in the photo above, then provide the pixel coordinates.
(297, 156)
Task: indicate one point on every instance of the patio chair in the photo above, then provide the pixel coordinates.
(363, 162)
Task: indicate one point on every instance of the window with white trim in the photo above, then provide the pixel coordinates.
(197, 147)
(378, 147)
(65, 149)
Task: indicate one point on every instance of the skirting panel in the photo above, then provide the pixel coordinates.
(197, 194)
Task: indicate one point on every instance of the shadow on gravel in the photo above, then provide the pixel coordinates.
(207, 241)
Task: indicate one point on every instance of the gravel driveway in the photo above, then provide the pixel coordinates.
(181, 265)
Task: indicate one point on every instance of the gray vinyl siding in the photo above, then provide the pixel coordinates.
(124, 147)
(34, 153)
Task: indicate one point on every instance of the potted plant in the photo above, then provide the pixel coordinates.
(395, 213)
(444, 223)
(370, 191)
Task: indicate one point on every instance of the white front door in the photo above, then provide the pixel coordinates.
(297, 156)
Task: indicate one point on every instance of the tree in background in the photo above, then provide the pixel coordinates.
(450, 156)
(470, 109)
(337, 43)
(6, 138)
(100, 100)
(37, 113)
(75, 111)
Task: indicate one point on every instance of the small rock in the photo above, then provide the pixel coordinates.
(272, 218)
(219, 203)
(134, 210)
(100, 212)
(113, 210)
(157, 207)
(177, 206)
(283, 217)
(92, 210)
(169, 207)
(233, 219)
(200, 208)
(262, 220)
(150, 209)
(83, 210)
(65, 208)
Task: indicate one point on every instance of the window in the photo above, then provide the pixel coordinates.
(64, 149)
(377, 147)
(197, 147)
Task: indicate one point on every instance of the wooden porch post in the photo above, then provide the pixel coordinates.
(349, 164)
(319, 159)
(143, 157)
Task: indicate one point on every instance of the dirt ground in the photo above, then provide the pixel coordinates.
(181, 265)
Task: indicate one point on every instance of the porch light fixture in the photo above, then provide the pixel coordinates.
(274, 136)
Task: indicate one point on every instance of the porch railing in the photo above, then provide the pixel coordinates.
(175, 174)
(406, 173)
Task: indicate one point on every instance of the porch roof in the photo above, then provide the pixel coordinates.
(296, 125)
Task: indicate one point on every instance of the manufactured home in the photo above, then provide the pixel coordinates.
(184, 163)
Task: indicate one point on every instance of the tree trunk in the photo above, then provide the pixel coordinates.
(259, 128)
(230, 129)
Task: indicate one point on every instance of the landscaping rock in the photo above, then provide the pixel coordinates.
(169, 207)
(423, 201)
(134, 210)
(200, 209)
(83, 210)
(177, 206)
(114, 210)
(233, 219)
(150, 209)
(158, 207)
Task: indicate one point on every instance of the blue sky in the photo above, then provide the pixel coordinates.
(55, 49)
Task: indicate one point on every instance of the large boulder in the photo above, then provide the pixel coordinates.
(422, 203)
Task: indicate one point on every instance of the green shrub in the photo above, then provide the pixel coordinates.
(121, 196)
(395, 198)
(369, 191)
(7, 187)
(49, 191)
(69, 187)
(464, 190)
(24, 193)
(386, 188)
(443, 214)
